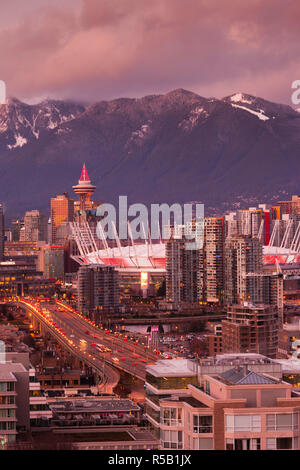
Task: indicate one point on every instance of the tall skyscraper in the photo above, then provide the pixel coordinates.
(197, 275)
(245, 280)
(62, 210)
(35, 226)
(243, 255)
(1, 233)
(291, 207)
(173, 270)
(213, 259)
(256, 222)
(52, 261)
(98, 290)
(16, 227)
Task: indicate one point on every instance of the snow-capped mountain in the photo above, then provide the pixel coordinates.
(169, 148)
(262, 109)
(21, 123)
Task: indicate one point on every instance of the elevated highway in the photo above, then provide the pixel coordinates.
(95, 346)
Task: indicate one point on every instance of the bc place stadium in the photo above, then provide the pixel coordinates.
(144, 260)
(150, 256)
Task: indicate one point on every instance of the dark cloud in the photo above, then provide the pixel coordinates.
(109, 48)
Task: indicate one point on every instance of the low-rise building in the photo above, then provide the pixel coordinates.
(32, 395)
(19, 278)
(94, 412)
(236, 410)
(162, 379)
(14, 401)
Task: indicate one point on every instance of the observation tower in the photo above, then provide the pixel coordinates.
(84, 189)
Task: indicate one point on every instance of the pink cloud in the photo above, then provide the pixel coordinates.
(108, 48)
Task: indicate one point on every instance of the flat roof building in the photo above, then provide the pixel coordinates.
(238, 409)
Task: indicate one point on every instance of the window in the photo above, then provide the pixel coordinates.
(202, 424)
(153, 413)
(242, 423)
(172, 416)
(35, 393)
(282, 443)
(282, 422)
(200, 443)
(242, 444)
(171, 439)
(39, 407)
(7, 400)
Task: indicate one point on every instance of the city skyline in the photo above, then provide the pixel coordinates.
(149, 228)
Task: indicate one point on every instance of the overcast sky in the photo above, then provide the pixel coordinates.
(101, 49)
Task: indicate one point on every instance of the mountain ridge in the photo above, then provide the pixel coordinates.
(172, 147)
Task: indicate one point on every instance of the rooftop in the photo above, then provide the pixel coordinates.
(93, 405)
(6, 376)
(172, 368)
(7, 370)
(193, 402)
(244, 376)
(236, 358)
(289, 365)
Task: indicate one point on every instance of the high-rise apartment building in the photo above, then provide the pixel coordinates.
(213, 259)
(1, 233)
(173, 269)
(52, 261)
(248, 221)
(98, 290)
(257, 222)
(291, 207)
(197, 274)
(243, 255)
(182, 272)
(35, 226)
(62, 210)
(16, 227)
(250, 328)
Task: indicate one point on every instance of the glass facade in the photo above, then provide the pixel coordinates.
(171, 439)
(153, 413)
(243, 423)
(170, 383)
(282, 422)
(172, 417)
